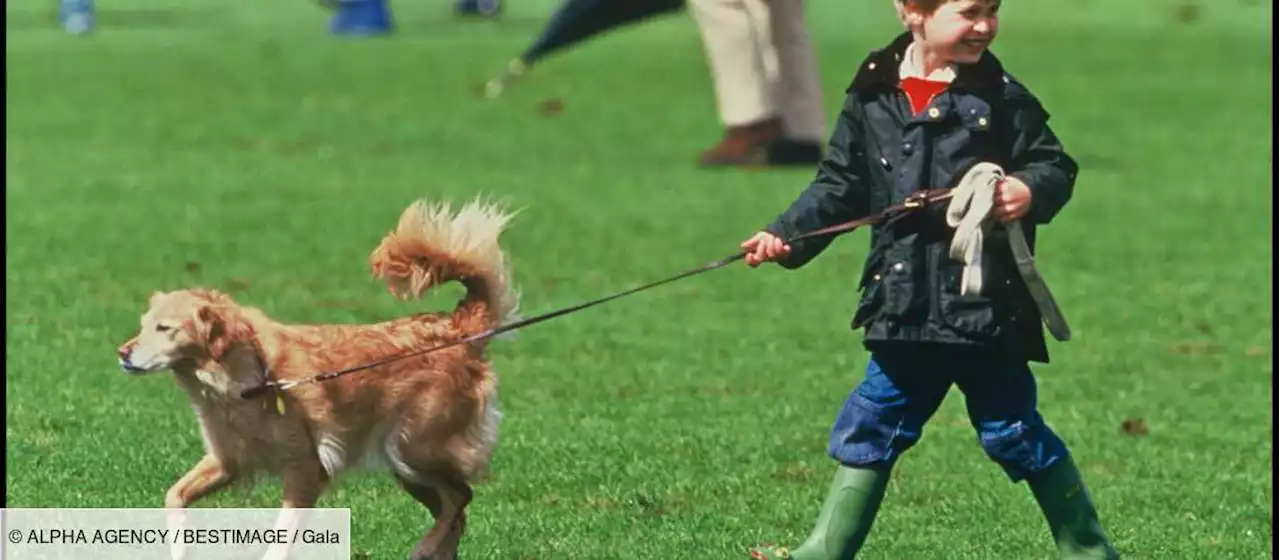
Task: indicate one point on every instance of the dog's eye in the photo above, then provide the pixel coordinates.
(162, 327)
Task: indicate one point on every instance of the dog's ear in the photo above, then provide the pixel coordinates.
(210, 328)
(220, 328)
(153, 298)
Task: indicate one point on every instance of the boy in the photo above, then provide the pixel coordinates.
(919, 114)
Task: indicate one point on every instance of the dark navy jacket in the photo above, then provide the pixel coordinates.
(880, 153)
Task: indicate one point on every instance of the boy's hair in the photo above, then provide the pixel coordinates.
(926, 6)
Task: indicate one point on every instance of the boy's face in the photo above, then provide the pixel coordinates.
(959, 30)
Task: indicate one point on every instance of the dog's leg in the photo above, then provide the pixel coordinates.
(429, 496)
(303, 484)
(460, 494)
(425, 494)
(446, 495)
(206, 477)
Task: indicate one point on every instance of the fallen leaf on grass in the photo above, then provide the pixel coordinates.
(1195, 348)
(1136, 427)
(626, 392)
(1186, 12)
(551, 107)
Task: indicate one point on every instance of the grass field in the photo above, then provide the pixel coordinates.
(237, 146)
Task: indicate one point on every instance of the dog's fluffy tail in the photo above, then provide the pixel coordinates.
(431, 246)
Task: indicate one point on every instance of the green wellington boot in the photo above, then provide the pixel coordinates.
(844, 521)
(1066, 505)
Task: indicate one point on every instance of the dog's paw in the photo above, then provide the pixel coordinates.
(433, 553)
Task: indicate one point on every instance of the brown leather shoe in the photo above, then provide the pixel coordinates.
(744, 145)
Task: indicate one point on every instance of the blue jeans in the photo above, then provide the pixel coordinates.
(885, 415)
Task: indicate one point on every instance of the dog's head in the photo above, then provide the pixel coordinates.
(182, 327)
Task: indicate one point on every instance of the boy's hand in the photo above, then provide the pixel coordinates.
(1013, 199)
(765, 247)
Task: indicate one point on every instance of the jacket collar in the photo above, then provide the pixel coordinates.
(908, 68)
(880, 70)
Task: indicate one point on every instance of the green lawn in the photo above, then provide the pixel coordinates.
(236, 145)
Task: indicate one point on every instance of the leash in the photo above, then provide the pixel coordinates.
(968, 212)
(893, 213)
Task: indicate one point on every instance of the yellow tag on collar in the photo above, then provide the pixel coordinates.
(280, 405)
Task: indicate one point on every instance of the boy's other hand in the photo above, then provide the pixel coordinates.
(1013, 199)
(764, 247)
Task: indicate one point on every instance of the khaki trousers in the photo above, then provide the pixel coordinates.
(762, 64)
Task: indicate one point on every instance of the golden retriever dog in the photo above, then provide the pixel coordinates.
(432, 420)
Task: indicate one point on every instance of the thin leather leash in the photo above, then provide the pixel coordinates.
(913, 203)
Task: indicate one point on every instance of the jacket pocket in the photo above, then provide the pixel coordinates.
(971, 315)
(906, 287)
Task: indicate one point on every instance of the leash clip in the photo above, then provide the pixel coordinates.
(920, 199)
(916, 200)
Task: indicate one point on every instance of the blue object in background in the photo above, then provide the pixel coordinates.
(361, 18)
(76, 16)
